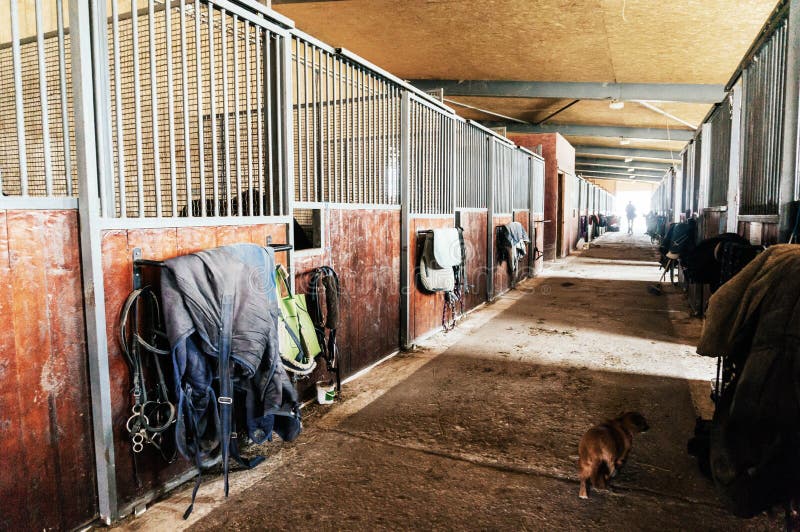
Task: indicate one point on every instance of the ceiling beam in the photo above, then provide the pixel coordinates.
(622, 151)
(617, 171)
(580, 130)
(653, 92)
(620, 178)
(616, 163)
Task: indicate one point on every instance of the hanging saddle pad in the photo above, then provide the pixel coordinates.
(446, 247)
(434, 278)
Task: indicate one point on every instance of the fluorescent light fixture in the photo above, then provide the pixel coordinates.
(616, 105)
(623, 141)
(628, 159)
(631, 169)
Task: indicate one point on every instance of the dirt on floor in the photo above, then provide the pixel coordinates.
(479, 428)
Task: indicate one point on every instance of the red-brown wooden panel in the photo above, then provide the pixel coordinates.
(425, 309)
(44, 398)
(363, 247)
(474, 224)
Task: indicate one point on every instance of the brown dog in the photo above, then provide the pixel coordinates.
(605, 447)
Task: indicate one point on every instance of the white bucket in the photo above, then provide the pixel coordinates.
(326, 391)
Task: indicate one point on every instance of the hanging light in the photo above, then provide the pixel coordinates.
(623, 141)
(631, 169)
(628, 159)
(616, 105)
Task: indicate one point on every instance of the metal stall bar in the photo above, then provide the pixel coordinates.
(237, 143)
(87, 18)
(18, 100)
(173, 176)
(120, 140)
(226, 112)
(62, 76)
(201, 164)
(151, 15)
(212, 89)
(248, 118)
(137, 102)
(185, 109)
(48, 157)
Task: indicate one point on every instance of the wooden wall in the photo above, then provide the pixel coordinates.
(474, 224)
(759, 233)
(425, 309)
(156, 244)
(559, 156)
(363, 246)
(47, 480)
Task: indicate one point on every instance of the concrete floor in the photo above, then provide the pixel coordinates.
(478, 429)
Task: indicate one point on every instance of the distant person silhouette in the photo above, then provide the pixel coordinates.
(630, 212)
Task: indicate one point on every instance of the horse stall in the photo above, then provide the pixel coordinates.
(136, 132)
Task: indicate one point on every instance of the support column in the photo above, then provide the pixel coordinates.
(88, 19)
(490, 240)
(734, 171)
(405, 207)
(788, 178)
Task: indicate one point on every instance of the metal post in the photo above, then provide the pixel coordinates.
(705, 167)
(734, 170)
(788, 174)
(287, 149)
(405, 207)
(532, 247)
(490, 177)
(93, 166)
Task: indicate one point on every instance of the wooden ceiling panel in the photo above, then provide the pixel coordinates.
(683, 41)
(693, 41)
(598, 113)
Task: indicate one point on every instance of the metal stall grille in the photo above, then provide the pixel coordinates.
(688, 161)
(697, 147)
(37, 137)
(196, 120)
(472, 150)
(538, 185)
(720, 156)
(346, 129)
(522, 180)
(431, 157)
(502, 176)
(762, 126)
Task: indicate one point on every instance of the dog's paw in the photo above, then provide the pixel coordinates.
(584, 497)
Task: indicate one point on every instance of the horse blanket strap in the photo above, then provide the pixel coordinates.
(325, 285)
